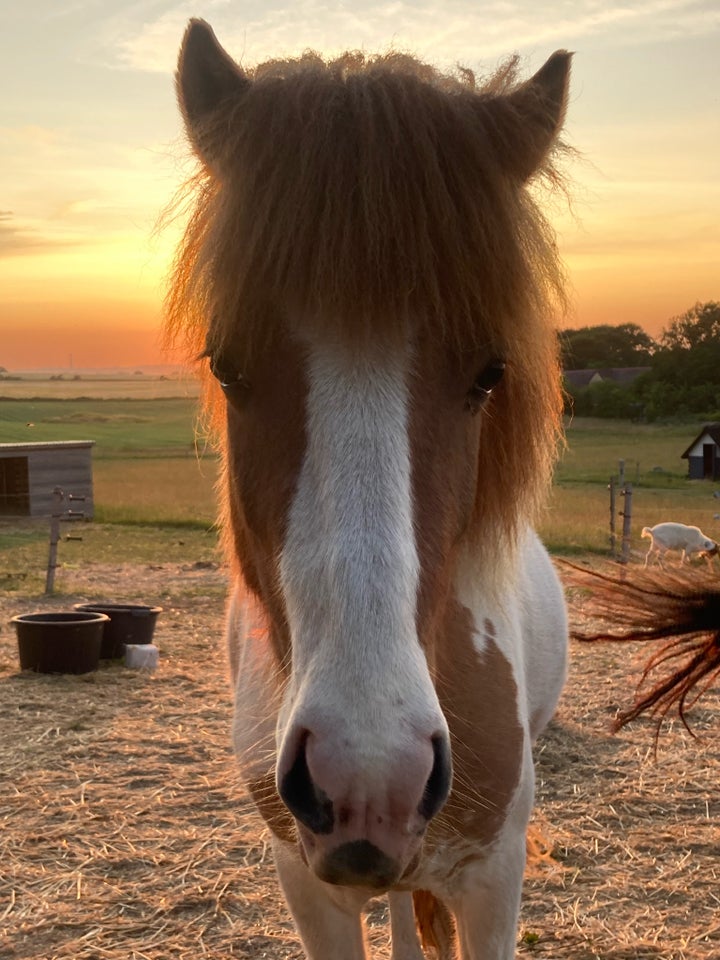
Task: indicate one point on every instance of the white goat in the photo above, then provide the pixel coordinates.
(678, 536)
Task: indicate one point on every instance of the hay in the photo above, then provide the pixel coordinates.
(126, 835)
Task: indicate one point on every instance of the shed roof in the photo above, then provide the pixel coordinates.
(622, 375)
(46, 445)
(712, 430)
(579, 378)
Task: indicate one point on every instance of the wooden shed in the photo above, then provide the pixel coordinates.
(703, 454)
(29, 472)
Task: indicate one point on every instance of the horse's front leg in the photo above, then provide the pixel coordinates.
(485, 894)
(487, 912)
(327, 918)
(403, 931)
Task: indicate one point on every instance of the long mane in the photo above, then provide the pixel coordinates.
(370, 195)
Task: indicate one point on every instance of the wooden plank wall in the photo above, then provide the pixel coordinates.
(70, 469)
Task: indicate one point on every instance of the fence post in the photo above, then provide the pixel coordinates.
(627, 522)
(611, 488)
(54, 537)
(55, 517)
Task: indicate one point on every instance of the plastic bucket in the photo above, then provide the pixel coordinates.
(59, 642)
(127, 623)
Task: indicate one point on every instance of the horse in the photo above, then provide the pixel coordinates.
(678, 616)
(368, 285)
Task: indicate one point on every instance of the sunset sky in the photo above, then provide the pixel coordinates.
(91, 149)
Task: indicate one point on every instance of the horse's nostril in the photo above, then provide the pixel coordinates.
(307, 802)
(438, 783)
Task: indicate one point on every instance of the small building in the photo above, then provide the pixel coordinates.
(703, 454)
(581, 378)
(30, 472)
(623, 376)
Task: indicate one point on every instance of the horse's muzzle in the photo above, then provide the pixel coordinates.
(363, 828)
(358, 863)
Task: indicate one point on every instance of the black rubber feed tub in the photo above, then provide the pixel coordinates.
(59, 642)
(128, 623)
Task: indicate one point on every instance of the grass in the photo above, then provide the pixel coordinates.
(120, 428)
(150, 471)
(578, 516)
(176, 491)
(153, 481)
(651, 452)
(24, 546)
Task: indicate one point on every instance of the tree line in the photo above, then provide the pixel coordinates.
(683, 375)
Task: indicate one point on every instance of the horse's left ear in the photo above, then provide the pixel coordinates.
(535, 115)
(207, 77)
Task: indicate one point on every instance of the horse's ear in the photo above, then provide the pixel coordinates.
(535, 116)
(206, 78)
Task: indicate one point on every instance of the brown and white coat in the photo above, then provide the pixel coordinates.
(369, 278)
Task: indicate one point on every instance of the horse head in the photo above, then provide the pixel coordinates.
(361, 269)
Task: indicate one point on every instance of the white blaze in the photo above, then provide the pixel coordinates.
(349, 568)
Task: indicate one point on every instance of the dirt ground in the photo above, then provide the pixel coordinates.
(126, 835)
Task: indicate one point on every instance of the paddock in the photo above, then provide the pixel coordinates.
(126, 834)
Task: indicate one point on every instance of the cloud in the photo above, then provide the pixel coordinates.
(17, 240)
(152, 46)
(455, 30)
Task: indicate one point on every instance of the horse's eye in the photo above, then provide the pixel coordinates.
(483, 386)
(233, 383)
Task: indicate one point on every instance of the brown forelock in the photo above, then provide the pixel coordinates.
(364, 193)
(520, 436)
(444, 441)
(481, 477)
(479, 697)
(368, 194)
(263, 450)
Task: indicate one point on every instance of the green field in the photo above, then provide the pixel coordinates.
(154, 478)
(578, 517)
(651, 451)
(119, 427)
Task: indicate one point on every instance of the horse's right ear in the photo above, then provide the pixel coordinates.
(206, 78)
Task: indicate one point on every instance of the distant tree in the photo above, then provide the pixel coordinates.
(624, 345)
(603, 399)
(685, 374)
(686, 367)
(698, 325)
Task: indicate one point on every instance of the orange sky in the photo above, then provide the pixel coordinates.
(91, 151)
